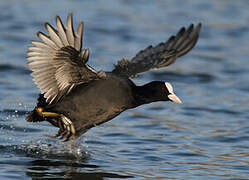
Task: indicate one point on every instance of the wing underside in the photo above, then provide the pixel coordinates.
(58, 61)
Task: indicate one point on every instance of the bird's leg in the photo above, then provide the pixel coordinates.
(66, 127)
(46, 114)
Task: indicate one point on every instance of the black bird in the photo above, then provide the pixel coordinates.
(75, 97)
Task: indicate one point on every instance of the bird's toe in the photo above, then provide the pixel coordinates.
(68, 130)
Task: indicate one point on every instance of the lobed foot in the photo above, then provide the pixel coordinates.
(101, 74)
(66, 129)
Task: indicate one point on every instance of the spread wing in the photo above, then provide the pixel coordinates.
(58, 62)
(161, 55)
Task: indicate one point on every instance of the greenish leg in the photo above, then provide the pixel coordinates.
(68, 131)
(50, 114)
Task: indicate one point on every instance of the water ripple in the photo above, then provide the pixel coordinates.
(181, 77)
(210, 110)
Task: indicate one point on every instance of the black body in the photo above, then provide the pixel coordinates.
(97, 102)
(91, 104)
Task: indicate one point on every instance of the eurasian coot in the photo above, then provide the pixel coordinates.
(75, 97)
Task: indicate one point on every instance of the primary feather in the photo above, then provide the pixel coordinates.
(161, 55)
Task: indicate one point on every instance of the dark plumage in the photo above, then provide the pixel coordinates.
(75, 97)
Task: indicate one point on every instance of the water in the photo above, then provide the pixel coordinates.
(205, 138)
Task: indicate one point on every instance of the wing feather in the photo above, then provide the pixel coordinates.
(61, 31)
(47, 40)
(53, 35)
(161, 55)
(58, 62)
(41, 45)
(78, 38)
(70, 31)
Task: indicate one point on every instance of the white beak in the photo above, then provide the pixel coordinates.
(174, 98)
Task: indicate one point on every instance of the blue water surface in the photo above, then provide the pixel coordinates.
(204, 138)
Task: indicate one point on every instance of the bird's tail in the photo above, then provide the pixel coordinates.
(35, 115)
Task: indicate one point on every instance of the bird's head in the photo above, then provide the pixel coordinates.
(159, 91)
